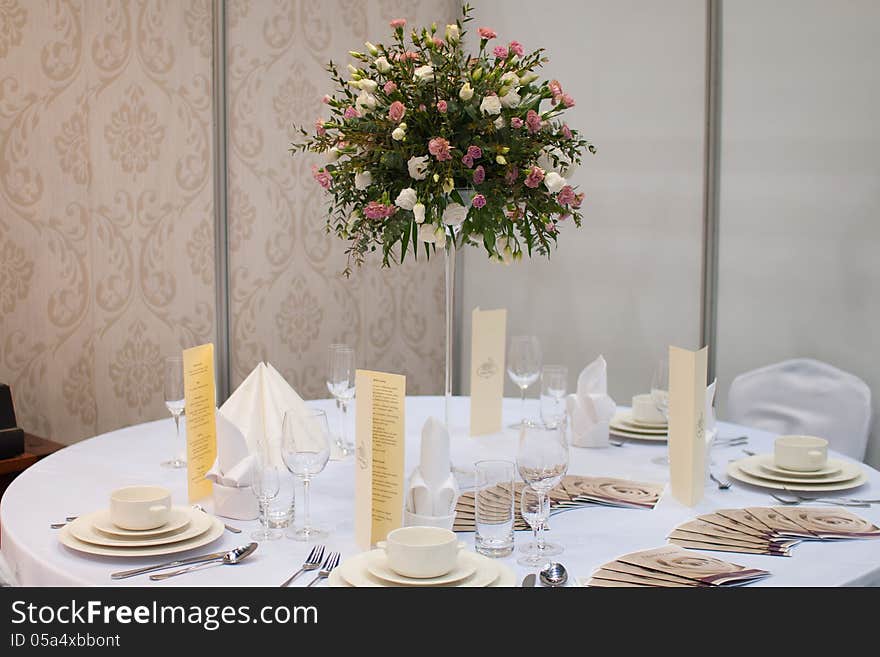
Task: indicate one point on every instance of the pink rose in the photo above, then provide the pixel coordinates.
(319, 127)
(351, 113)
(566, 131)
(389, 88)
(442, 106)
(422, 107)
(567, 100)
(479, 175)
(511, 176)
(516, 122)
(516, 48)
(536, 175)
(439, 148)
(500, 52)
(486, 33)
(479, 201)
(321, 177)
(396, 111)
(565, 196)
(398, 23)
(533, 121)
(468, 161)
(474, 152)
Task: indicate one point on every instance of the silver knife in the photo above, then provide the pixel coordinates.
(169, 564)
(529, 581)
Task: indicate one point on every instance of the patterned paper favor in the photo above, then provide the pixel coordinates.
(617, 492)
(831, 522)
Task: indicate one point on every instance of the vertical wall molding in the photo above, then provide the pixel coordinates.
(221, 234)
(711, 182)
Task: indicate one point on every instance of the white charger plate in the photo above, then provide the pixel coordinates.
(83, 528)
(177, 519)
(354, 572)
(625, 433)
(754, 466)
(214, 532)
(734, 471)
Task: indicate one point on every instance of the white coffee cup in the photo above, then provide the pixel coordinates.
(645, 410)
(800, 453)
(421, 551)
(140, 507)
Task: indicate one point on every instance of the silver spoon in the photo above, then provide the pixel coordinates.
(554, 575)
(229, 559)
(229, 528)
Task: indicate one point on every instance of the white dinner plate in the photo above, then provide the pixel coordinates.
(177, 519)
(69, 540)
(353, 571)
(377, 565)
(769, 465)
(754, 466)
(734, 471)
(625, 418)
(83, 529)
(624, 433)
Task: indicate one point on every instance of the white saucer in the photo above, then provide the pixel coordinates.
(69, 540)
(625, 418)
(769, 465)
(353, 572)
(842, 471)
(733, 470)
(615, 430)
(83, 529)
(177, 519)
(377, 565)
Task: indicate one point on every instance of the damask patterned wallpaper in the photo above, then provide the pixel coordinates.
(106, 206)
(288, 300)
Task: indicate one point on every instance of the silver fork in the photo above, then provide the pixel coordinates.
(312, 562)
(616, 443)
(819, 500)
(722, 485)
(331, 563)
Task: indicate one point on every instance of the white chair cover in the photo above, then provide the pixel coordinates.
(805, 396)
(6, 578)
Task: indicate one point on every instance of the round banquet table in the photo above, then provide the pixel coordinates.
(79, 478)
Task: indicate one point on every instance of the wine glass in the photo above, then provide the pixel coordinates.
(305, 448)
(175, 403)
(523, 367)
(660, 396)
(265, 484)
(554, 381)
(340, 383)
(535, 516)
(542, 461)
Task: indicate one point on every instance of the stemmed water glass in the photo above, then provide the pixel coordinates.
(523, 367)
(660, 396)
(542, 461)
(554, 381)
(536, 516)
(174, 402)
(265, 485)
(305, 448)
(340, 383)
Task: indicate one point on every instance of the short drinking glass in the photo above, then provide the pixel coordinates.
(494, 507)
(660, 396)
(554, 382)
(265, 484)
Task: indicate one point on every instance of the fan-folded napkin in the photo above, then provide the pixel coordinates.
(231, 473)
(432, 487)
(590, 409)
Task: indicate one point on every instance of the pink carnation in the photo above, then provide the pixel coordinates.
(319, 127)
(398, 23)
(389, 88)
(516, 48)
(438, 42)
(321, 177)
(479, 201)
(351, 113)
(551, 228)
(565, 196)
(326, 99)
(567, 100)
(442, 106)
(396, 111)
(511, 176)
(376, 210)
(555, 88)
(479, 175)
(516, 122)
(533, 121)
(486, 33)
(566, 131)
(536, 175)
(578, 199)
(439, 148)
(500, 52)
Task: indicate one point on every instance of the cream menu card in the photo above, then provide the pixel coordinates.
(201, 428)
(488, 335)
(379, 454)
(687, 424)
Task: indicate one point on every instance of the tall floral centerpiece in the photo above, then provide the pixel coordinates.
(431, 146)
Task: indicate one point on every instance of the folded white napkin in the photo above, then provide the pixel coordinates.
(432, 488)
(231, 473)
(257, 409)
(590, 408)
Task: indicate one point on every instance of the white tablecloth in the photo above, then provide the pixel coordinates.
(78, 479)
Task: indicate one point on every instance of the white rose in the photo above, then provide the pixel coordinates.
(406, 199)
(424, 73)
(466, 92)
(369, 85)
(418, 167)
(332, 154)
(433, 234)
(500, 123)
(452, 33)
(511, 99)
(382, 65)
(554, 182)
(362, 180)
(398, 134)
(418, 211)
(491, 105)
(365, 100)
(528, 78)
(510, 79)
(454, 214)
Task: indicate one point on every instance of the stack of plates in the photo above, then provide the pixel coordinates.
(370, 569)
(623, 425)
(761, 470)
(186, 529)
